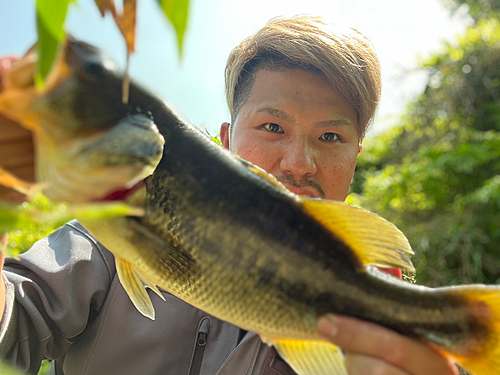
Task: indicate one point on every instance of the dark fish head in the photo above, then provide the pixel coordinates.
(84, 89)
(89, 143)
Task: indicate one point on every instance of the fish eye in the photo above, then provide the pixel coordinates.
(93, 68)
(272, 127)
(329, 137)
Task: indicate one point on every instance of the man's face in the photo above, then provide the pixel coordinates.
(295, 126)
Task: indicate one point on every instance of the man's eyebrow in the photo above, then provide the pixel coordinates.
(278, 113)
(340, 121)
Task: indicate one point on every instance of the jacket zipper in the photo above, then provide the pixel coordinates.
(200, 345)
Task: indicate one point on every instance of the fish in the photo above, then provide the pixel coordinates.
(228, 238)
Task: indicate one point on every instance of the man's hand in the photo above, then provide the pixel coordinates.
(371, 349)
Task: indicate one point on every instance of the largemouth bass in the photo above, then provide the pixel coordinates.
(229, 239)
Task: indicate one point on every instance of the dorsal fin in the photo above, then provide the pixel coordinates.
(372, 238)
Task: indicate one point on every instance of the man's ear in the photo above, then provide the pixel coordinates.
(224, 135)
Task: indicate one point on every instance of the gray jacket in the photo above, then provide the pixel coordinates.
(65, 303)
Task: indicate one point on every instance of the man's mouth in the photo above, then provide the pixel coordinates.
(306, 187)
(303, 191)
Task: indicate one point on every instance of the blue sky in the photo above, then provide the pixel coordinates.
(403, 31)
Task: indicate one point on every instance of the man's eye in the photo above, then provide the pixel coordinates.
(273, 128)
(330, 137)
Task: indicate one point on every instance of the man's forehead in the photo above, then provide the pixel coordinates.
(265, 72)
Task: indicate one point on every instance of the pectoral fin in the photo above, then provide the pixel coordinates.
(177, 260)
(310, 357)
(372, 238)
(135, 285)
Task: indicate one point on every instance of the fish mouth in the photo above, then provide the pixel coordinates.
(303, 191)
(79, 170)
(121, 194)
(70, 184)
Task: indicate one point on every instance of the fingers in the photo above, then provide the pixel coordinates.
(360, 337)
(360, 364)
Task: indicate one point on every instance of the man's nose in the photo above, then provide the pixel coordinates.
(298, 159)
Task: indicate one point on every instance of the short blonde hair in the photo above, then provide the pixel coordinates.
(344, 56)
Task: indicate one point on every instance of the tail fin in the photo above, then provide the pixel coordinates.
(482, 354)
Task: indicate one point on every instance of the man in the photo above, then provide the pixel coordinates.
(300, 107)
(301, 94)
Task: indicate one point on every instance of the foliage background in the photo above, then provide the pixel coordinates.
(437, 174)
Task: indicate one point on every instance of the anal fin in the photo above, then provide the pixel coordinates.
(135, 286)
(310, 357)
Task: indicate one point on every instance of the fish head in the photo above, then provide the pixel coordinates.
(89, 143)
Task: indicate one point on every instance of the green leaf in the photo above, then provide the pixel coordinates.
(7, 370)
(12, 217)
(50, 20)
(103, 210)
(177, 13)
(30, 222)
(30, 215)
